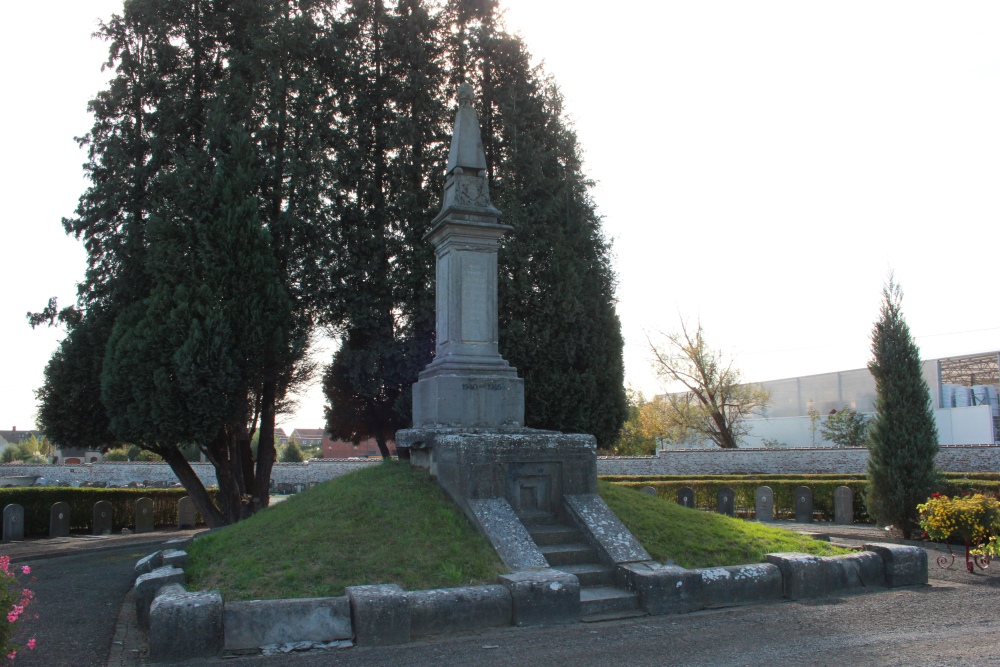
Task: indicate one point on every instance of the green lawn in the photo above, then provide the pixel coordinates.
(393, 524)
(383, 524)
(693, 538)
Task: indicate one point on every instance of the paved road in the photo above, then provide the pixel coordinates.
(947, 623)
(77, 599)
(954, 621)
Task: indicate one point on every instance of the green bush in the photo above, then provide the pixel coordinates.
(706, 489)
(38, 501)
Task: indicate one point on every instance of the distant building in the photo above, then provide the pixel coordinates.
(342, 449)
(308, 437)
(280, 437)
(964, 397)
(14, 437)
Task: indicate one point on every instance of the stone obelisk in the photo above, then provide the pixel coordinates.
(468, 404)
(468, 384)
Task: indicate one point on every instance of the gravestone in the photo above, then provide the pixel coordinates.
(685, 496)
(103, 518)
(765, 503)
(185, 513)
(843, 506)
(648, 490)
(803, 505)
(59, 520)
(144, 515)
(13, 523)
(726, 501)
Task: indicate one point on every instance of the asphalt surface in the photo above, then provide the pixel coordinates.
(953, 621)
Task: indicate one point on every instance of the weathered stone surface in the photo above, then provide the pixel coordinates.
(59, 520)
(648, 490)
(185, 513)
(468, 384)
(904, 566)
(103, 518)
(13, 523)
(543, 597)
(498, 522)
(532, 469)
(726, 501)
(843, 506)
(175, 558)
(860, 570)
(144, 515)
(149, 563)
(765, 503)
(185, 625)
(685, 496)
(148, 585)
(263, 622)
(739, 584)
(803, 575)
(662, 589)
(803, 505)
(451, 610)
(380, 614)
(602, 526)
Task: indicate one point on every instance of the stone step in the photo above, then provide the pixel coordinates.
(591, 574)
(604, 600)
(529, 519)
(574, 553)
(615, 616)
(554, 533)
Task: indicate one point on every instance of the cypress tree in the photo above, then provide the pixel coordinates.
(903, 435)
(558, 323)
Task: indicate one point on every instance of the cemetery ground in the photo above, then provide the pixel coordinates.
(393, 524)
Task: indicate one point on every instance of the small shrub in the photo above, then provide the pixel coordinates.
(14, 599)
(972, 519)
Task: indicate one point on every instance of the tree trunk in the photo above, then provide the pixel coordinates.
(192, 484)
(383, 448)
(265, 444)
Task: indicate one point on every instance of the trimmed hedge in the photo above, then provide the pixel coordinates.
(38, 501)
(706, 491)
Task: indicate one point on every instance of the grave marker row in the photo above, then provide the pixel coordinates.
(843, 503)
(102, 522)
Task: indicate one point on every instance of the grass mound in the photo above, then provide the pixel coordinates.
(692, 538)
(391, 524)
(387, 524)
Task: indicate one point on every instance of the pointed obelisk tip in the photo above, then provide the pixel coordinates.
(465, 94)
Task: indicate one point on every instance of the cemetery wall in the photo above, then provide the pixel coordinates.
(123, 473)
(806, 460)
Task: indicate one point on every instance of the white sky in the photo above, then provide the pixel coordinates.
(761, 165)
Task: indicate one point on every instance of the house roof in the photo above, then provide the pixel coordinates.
(310, 433)
(14, 436)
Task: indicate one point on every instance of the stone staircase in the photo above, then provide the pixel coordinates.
(565, 548)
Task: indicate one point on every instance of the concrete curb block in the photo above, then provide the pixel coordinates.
(543, 597)
(185, 625)
(904, 566)
(386, 614)
(259, 623)
(740, 584)
(380, 614)
(452, 610)
(148, 585)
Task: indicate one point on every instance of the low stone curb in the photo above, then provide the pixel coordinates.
(185, 625)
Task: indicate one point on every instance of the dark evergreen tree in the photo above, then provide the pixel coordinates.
(902, 438)
(181, 225)
(558, 323)
(390, 168)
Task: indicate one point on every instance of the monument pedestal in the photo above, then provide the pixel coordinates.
(531, 469)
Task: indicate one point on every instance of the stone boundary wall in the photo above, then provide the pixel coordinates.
(318, 470)
(805, 460)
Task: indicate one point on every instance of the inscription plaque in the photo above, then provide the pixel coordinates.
(475, 323)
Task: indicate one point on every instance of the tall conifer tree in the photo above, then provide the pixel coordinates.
(903, 436)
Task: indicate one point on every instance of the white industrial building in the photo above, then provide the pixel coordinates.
(963, 392)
